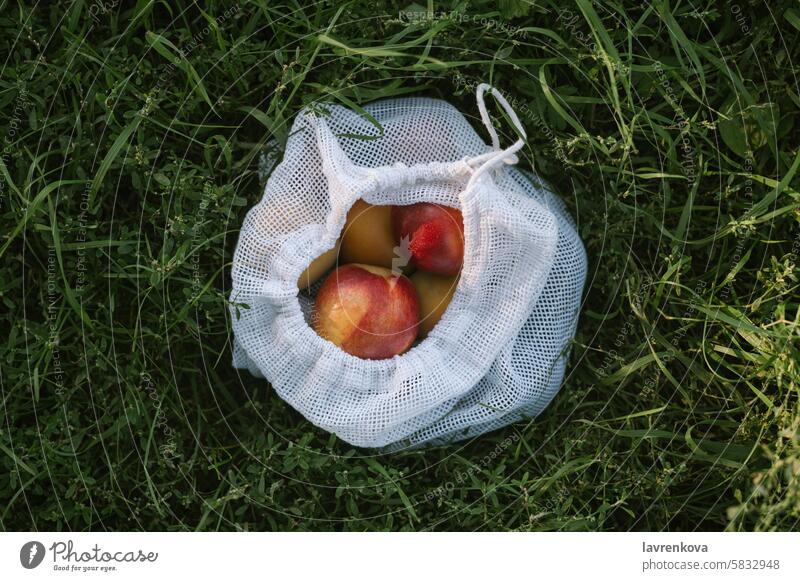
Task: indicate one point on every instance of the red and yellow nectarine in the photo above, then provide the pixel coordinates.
(367, 311)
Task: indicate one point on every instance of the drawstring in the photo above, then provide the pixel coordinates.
(489, 160)
(485, 115)
(336, 164)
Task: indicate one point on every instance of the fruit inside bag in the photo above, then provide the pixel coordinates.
(427, 154)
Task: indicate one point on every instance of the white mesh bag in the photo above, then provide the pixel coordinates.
(498, 353)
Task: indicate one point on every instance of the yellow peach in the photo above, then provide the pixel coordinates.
(367, 237)
(435, 292)
(319, 266)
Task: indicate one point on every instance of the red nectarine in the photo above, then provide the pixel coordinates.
(435, 233)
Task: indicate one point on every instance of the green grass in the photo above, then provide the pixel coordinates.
(131, 146)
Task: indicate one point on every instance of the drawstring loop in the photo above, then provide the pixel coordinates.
(489, 160)
(338, 167)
